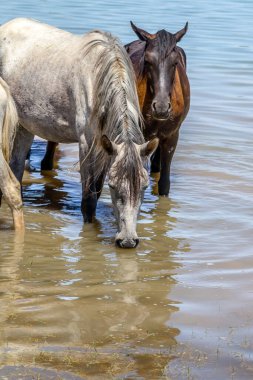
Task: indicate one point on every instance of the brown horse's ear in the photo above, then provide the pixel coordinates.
(149, 147)
(142, 34)
(108, 145)
(181, 32)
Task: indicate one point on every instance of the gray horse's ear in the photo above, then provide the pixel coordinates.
(181, 32)
(108, 145)
(142, 34)
(149, 147)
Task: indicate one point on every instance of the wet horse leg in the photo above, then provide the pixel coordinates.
(89, 201)
(10, 187)
(99, 185)
(11, 191)
(156, 161)
(89, 194)
(167, 148)
(22, 144)
(48, 161)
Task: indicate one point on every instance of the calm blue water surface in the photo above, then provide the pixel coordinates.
(181, 305)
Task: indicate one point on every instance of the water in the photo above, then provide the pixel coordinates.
(72, 306)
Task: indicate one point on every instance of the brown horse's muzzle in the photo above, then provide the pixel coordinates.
(161, 109)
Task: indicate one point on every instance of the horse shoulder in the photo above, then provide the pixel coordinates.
(181, 92)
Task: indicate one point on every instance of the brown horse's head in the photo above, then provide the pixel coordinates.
(161, 57)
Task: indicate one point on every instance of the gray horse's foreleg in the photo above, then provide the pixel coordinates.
(89, 202)
(22, 144)
(89, 194)
(100, 184)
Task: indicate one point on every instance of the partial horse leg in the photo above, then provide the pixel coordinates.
(12, 193)
(99, 185)
(10, 187)
(167, 148)
(22, 144)
(89, 194)
(89, 202)
(156, 161)
(48, 161)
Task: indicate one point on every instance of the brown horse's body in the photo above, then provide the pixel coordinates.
(159, 121)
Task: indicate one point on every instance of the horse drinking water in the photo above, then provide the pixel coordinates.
(164, 96)
(69, 88)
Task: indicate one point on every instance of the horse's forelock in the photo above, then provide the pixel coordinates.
(166, 42)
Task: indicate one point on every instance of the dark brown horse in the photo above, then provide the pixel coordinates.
(164, 95)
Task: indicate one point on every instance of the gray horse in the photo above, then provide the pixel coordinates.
(69, 88)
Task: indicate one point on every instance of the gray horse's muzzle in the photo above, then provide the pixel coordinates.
(127, 243)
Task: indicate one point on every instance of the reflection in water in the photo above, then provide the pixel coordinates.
(75, 301)
(51, 189)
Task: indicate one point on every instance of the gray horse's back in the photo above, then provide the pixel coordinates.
(42, 66)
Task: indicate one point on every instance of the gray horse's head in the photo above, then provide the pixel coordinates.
(128, 179)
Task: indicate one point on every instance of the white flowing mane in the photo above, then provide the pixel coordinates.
(116, 111)
(116, 103)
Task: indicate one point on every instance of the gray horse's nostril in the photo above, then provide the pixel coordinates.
(154, 106)
(137, 242)
(118, 242)
(169, 106)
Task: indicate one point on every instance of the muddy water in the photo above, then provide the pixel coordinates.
(180, 306)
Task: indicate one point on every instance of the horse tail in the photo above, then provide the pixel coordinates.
(10, 121)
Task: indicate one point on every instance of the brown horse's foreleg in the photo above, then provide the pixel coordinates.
(48, 161)
(167, 149)
(156, 161)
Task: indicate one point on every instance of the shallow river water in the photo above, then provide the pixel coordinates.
(180, 306)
